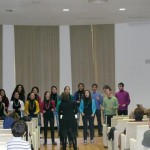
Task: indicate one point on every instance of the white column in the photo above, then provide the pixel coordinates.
(65, 58)
(8, 62)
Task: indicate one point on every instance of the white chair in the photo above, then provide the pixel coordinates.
(113, 124)
(1, 126)
(5, 137)
(5, 131)
(146, 148)
(130, 133)
(115, 118)
(3, 146)
(121, 125)
(136, 144)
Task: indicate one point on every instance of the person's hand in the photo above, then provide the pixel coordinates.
(123, 105)
(52, 110)
(83, 114)
(97, 98)
(78, 102)
(92, 115)
(14, 110)
(44, 111)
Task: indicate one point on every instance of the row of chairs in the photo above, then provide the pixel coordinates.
(134, 133)
(33, 134)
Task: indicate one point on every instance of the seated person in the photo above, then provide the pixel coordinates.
(146, 139)
(138, 116)
(17, 143)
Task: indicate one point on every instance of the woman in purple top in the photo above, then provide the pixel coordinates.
(123, 100)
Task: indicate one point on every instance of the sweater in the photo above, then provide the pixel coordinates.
(123, 98)
(110, 105)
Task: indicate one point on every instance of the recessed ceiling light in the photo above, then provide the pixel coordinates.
(9, 10)
(122, 9)
(65, 9)
(98, 1)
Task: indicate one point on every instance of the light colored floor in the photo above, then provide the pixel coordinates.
(97, 145)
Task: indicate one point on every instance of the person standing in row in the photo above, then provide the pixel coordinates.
(55, 96)
(48, 109)
(68, 123)
(4, 99)
(110, 105)
(123, 100)
(87, 109)
(66, 91)
(3, 113)
(98, 102)
(20, 89)
(16, 105)
(78, 95)
(32, 106)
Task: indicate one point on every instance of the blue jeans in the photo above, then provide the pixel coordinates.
(56, 116)
(85, 120)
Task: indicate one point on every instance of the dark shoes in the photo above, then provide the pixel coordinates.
(45, 143)
(100, 134)
(54, 143)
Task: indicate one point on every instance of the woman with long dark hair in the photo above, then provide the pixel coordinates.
(87, 109)
(4, 99)
(32, 106)
(48, 109)
(20, 89)
(16, 105)
(68, 122)
(2, 109)
(55, 96)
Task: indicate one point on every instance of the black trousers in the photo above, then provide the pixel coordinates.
(85, 120)
(122, 112)
(46, 120)
(108, 119)
(98, 116)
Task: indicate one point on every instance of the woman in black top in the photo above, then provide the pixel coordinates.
(4, 99)
(2, 109)
(68, 123)
(55, 96)
(48, 108)
(20, 89)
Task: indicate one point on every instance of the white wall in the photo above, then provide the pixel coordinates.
(132, 47)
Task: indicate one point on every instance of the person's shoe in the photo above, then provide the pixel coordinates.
(45, 143)
(100, 134)
(85, 141)
(54, 143)
(92, 141)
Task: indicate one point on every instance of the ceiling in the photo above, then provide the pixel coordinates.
(49, 12)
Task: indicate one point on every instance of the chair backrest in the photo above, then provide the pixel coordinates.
(5, 131)
(114, 120)
(5, 137)
(30, 127)
(121, 125)
(3, 146)
(35, 122)
(131, 130)
(139, 134)
(146, 148)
